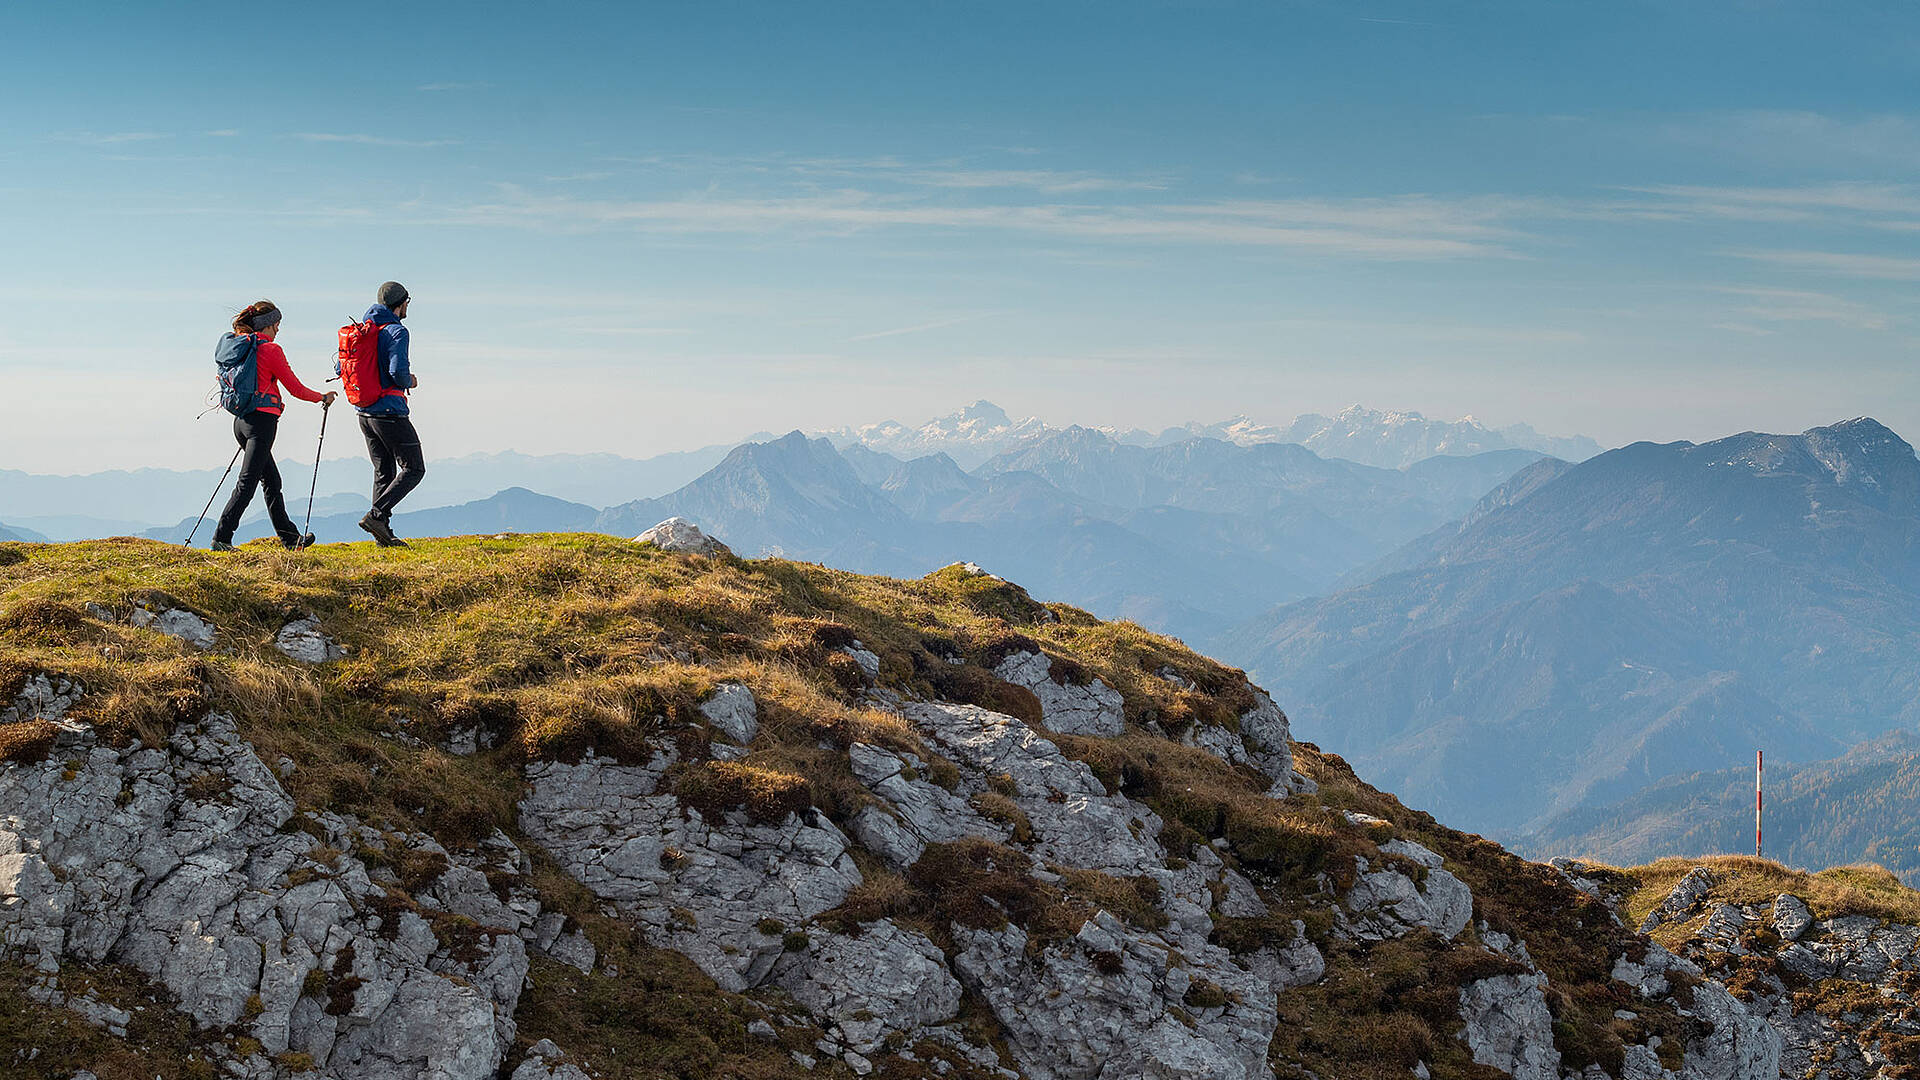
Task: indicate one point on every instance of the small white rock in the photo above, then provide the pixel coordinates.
(678, 535)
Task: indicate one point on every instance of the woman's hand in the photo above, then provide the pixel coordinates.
(326, 399)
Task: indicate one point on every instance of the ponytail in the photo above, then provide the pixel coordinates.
(256, 317)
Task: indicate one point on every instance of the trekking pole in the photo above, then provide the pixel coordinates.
(324, 410)
(188, 542)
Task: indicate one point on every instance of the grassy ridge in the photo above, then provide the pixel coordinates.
(557, 646)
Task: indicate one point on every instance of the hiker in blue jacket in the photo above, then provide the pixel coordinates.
(387, 424)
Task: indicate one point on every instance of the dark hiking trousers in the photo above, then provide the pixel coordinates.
(255, 432)
(398, 465)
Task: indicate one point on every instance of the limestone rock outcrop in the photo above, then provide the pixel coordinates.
(178, 861)
(1509, 1026)
(1108, 1005)
(713, 890)
(1065, 707)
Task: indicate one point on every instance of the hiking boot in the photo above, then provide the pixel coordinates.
(382, 535)
(220, 545)
(297, 543)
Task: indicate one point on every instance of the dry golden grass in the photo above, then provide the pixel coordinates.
(548, 647)
(1867, 890)
(28, 741)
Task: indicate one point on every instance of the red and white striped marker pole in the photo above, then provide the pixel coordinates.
(1758, 770)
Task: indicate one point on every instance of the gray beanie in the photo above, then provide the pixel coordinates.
(392, 294)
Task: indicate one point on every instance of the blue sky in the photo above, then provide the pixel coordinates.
(641, 227)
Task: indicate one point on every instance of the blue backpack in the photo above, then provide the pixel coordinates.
(235, 361)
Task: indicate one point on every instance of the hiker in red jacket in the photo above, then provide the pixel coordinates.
(386, 420)
(252, 371)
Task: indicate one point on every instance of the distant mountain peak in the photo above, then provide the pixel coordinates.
(1386, 438)
(982, 412)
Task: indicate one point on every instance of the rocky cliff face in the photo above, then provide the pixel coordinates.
(1842, 991)
(941, 831)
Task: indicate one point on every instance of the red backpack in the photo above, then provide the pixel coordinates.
(360, 363)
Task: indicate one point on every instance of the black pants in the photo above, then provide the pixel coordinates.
(398, 465)
(255, 432)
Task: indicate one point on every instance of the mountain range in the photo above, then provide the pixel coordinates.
(1188, 538)
(1386, 439)
(1590, 629)
(145, 501)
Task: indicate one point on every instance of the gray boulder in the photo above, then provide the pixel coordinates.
(1269, 742)
(175, 623)
(733, 712)
(1509, 1027)
(1114, 1003)
(545, 1061)
(304, 641)
(915, 812)
(1297, 963)
(867, 659)
(1094, 709)
(683, 537)
(1791, 916)
(1682, 900)
(703, 888)
(1741, 1046)
(1387, 903)
(864, 986)
(44, 697)
(1075, 822)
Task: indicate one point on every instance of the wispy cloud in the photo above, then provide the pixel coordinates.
(956, 174)
(1797, 305)
(222, 133)
(1870, 205)
(1036, 179)
(1412, 227)
(936, 325)
(1848, 264)
(372, 140)
(110, 138)
(446, 87)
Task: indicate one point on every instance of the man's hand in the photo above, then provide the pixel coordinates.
(326, 399)
(416, 382)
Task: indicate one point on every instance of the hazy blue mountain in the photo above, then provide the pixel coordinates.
(1189, 538)
(9, 532)
(594, 479)
(1858, 807)
(1599, 627)
(255, 523)
(337, 519)
(1398, 439)
(929, 487)
(794, 496)
(512, 510)
(61, 528)
(141, 501)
